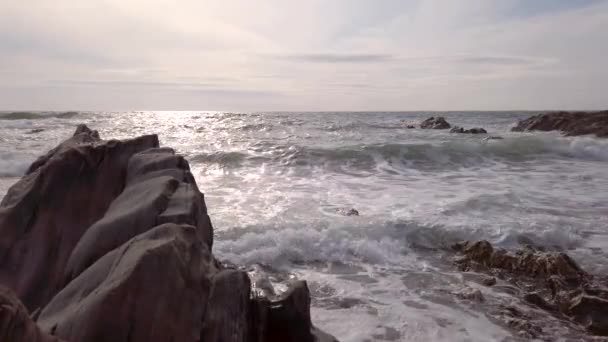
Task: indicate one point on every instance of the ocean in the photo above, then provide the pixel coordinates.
(276, 185)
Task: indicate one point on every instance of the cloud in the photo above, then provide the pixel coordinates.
(339, 58)
(303, 55)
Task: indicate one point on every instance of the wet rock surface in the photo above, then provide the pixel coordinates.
(548, 280)
(435, 123)
(570, 123)
(111, 241)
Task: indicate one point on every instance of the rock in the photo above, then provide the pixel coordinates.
(489, 281)
(160, 189)
(435, 123)
(410, 126)
(493, 138)
(570, 123)
(476, 131)
(35, 130)
(591, 312)
(44, 215)
(348, 212)
(153, 288)
(15, 324)
(471, 294)
(289, 317)
(111, 241)
(229, 309)
(560, 286)
(457, 129)
(82, 135)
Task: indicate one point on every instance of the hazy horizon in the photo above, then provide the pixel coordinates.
(271, 55)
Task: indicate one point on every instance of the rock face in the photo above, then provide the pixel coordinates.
(560, 286)
(44, 215)
(435, 123)
(111, 241)
(457, 129)
(570, 123)
(15, 324)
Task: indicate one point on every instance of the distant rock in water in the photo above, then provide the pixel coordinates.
(559, 286)
(348, 212)
(570, 123)
(111, 241)
(410, 126)
(457, 129)
(493, 138)
(435, 123)
(35, 130)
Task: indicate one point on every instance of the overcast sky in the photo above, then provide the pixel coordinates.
(253, 55)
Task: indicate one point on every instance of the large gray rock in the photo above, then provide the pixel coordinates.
(160, 189)
(113, 240)
(152, 288)
(44, 215)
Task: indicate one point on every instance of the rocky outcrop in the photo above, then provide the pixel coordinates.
(15, 323)
(559, 285)
(45, 214)
(153, 288)
(435, 123)
(111, 241)
(457, 129)
(570, 123)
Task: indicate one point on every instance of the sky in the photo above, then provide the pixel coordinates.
(306, 55)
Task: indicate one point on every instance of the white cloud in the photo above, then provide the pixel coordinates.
(300, 55)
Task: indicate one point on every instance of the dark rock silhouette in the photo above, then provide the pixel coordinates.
(44, 215)
(348, 212)
(435, 123)
(111, 241)
(561, 286)
(457, 129)
(570, 123)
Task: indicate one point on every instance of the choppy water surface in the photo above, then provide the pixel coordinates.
(273, 183)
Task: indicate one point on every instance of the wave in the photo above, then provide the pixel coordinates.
(37, 115)
(360, 240)
(13, 164)
(425, 156)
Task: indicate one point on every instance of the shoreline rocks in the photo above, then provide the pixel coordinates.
(569, 123)
(111, 241)
(560, 286)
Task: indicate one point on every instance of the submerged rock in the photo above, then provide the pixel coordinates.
(35, 130)
(435, 123)
(348, 212)
(570, 123)
(560, 286)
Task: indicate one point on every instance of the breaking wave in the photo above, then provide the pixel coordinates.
(465, 153)
(37, 115)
